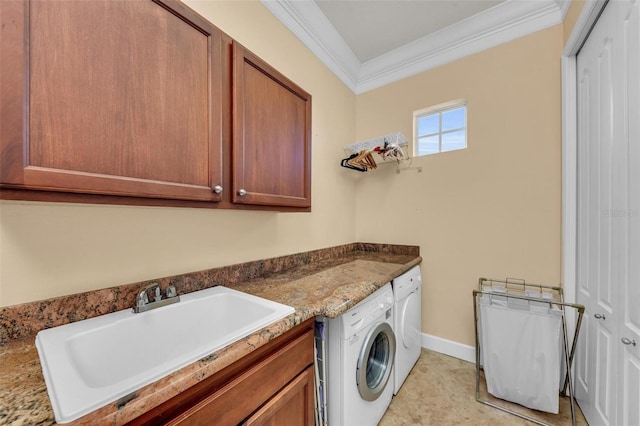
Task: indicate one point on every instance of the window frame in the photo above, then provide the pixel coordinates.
(439, 110)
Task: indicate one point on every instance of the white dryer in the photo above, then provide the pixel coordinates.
(360, 350)
(407, 293)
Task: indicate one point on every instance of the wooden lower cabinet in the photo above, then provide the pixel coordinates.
(293, 405)
(274, 385)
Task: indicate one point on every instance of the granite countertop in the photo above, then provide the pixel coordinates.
(327, 287)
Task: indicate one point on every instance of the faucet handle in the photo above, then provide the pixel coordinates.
(142, 300)
(171, 291)
(157, 295)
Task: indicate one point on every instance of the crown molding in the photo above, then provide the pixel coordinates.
(504, 22)
(307, 22)
(564, 7)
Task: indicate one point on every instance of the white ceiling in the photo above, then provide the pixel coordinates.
(374, 27)
(371, 43)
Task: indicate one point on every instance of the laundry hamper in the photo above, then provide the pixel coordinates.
(522, 345)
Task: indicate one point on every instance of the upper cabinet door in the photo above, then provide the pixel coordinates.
(111, 97)
(271, 135)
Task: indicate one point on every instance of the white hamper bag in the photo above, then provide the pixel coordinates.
(521, 353)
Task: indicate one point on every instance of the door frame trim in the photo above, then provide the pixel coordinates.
(579, 34)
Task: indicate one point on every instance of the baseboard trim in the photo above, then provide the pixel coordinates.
(449, 347)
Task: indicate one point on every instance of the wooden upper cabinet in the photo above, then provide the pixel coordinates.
(145, 102)
(271, 135)
(113, 97)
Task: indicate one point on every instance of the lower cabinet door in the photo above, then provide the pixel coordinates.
(293, 405)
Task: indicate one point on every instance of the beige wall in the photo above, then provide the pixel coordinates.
(48, 250)
(492, 210)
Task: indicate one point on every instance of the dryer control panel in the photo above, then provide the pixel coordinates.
(407, 283)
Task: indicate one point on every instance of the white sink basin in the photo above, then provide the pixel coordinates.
(90, 363)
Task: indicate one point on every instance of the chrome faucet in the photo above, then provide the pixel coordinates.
(142, 299)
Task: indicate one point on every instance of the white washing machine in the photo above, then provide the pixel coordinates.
(407, 309)
(359, 350)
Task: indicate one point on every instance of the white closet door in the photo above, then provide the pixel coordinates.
(629, 358)
(596, 88)
(607, 371)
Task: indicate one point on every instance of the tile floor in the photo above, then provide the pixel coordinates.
(441, 391)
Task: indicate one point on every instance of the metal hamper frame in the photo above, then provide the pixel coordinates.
(516, 288)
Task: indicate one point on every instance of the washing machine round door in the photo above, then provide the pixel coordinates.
(375, 361)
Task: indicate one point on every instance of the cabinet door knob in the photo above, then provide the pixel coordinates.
(599, 316)
(217, 189)
(242, 193)
(628, 341)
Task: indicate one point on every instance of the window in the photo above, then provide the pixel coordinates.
(440, 128)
